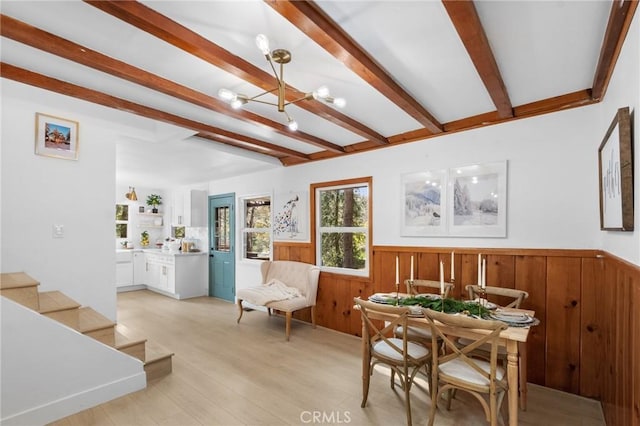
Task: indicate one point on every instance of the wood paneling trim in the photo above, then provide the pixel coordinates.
(495, 251)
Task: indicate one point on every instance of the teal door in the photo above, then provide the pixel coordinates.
(222, 265)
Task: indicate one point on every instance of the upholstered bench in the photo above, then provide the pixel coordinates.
(287, 286)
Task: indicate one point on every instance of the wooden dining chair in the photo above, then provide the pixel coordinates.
(505, 297)
(511, 299)
(403, 357)
(415, 287)
(456, 368)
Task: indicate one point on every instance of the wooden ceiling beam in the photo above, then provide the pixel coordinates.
(251, 145)
(620, 18)
(465, 19)
(543, 106)
(45, 41)
(316, 24)
(69, 89)
(182, 37)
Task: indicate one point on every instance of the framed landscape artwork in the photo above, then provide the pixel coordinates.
(615, 170)
(290, 215)
(56, 137)
(424, 210)
(478, 202)
(469, 201)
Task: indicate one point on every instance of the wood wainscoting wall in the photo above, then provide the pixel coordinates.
(588, 303)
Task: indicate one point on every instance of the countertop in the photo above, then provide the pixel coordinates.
(161, 251)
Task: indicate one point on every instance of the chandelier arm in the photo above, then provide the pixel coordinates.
(262, 94)
(262, 102)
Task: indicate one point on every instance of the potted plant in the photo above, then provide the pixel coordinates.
(154, 200)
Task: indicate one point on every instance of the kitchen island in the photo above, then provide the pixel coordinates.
(171, 273)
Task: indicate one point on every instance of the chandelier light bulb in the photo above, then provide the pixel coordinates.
(340, 102)
(293, 125)
(263, 44)
(226, 94)
(322, 92)
(236, 103)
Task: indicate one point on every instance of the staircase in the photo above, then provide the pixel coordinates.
(23, 289)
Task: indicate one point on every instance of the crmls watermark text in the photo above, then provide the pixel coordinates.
(325, 417)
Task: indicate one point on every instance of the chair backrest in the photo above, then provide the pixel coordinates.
(447, 327)
(373, 333)
(300, 275)
(427, 286)
(511, 298)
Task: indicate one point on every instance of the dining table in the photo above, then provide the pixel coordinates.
(513, 339)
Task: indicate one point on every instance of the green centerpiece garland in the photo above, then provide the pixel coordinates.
(451, 306)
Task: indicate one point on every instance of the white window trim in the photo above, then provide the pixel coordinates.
(241, 235)
(364, 272)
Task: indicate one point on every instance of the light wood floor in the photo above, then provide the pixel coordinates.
(247, 374)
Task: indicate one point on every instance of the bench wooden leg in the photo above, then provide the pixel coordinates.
(313, 316)
(241, 310)
(288, 325)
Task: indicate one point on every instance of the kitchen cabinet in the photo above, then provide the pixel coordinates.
(139, 268)
(177, 275)
(160, 272)
(189, 208)
(124, 268)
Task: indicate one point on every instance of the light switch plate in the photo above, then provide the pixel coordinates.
(58, 231)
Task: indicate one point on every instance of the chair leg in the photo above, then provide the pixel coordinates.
(450, 393)
(407, 397)
(288, 325)
(433, 390)
(366, 377)
(493, 409)
(241, 310)
(313, 316)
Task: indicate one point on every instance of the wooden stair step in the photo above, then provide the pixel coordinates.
(94, 324)
(60, 307)
(21, 288)
(157, 362)
(134, 347)
(157, 359)
(51, 301)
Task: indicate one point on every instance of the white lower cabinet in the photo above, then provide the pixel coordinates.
(139, 268)
(180, 276)
(124, 268)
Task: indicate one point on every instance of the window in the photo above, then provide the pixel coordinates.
(343, 226)
(256, 230)
(122, 220)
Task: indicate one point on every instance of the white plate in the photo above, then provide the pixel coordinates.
(515, 318)
(485, 303)
(382, 298)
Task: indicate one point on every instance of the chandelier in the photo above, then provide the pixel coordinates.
(282, 57)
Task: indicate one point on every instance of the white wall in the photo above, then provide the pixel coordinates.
(552, 182)
(38, 192)
(624, 90)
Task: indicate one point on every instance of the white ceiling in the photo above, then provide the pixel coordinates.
(543, 49)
